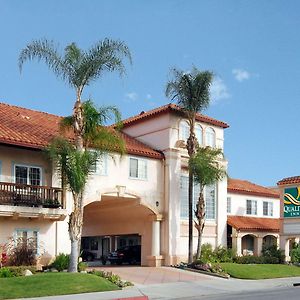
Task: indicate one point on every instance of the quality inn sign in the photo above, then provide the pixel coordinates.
(291, 202)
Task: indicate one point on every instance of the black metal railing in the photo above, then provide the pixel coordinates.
(30, 195)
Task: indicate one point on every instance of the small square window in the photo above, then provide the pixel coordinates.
(138, 168)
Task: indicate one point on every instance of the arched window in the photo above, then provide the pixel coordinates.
(184, 130)
(199, 134)
(210, 137)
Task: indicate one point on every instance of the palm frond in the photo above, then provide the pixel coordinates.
(104, 56)
(66, 124)
(206, 167)
(45, 50)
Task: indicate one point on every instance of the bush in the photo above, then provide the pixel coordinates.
(295, 253)
(6, 273)
(249, 259)
(220, 254)
(82, 266)
(273, 253)
(61, 262)
(16, 271)
(23, 254)
(112, 278)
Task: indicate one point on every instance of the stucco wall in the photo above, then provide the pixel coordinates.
(239, 206)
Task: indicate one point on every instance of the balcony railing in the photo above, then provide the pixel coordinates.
(31, 196)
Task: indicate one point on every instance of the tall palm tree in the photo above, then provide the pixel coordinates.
(75, 165)
(191, 91)
(79, 68)
(207, 169)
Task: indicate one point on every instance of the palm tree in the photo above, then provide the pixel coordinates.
(74, 166)
(191, 91)
(207, 169)
(79, 69)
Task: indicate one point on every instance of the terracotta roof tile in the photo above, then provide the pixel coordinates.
(34, 129)
(289, 180)
(171, 108)
(239, 186)
(254, 224)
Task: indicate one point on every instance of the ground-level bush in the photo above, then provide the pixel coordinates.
(116, 279)
(218, 255)
(61, 262)
(16, 271)
(295, 253)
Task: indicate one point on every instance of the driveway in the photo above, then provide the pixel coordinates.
(150, 275)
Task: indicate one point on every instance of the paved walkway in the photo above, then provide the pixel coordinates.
(149, 275)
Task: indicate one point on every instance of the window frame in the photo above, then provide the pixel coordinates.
(255, 207)
(99, 171)
(183, 124)
(229, 205)
(28, 166)
(28, 230)
(146, 165)
(197, 125)
(210, 131)
(270, 209)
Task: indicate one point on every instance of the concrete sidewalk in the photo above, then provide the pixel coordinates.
(201, 286)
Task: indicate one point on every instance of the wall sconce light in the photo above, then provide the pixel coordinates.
(157, 204)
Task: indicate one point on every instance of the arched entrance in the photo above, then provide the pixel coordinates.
(269, 240)
(117, 221)
(248, 244)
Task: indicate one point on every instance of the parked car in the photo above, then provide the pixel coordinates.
(87, 255)
(127, 254)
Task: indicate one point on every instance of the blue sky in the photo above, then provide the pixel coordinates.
(253, 48)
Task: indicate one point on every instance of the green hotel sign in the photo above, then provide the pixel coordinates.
(291, 205)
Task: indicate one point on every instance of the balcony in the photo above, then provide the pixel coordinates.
(20, 200)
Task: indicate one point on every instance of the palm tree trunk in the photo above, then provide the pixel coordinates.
(200, 214)
(191, 147)
(76, 217)
(75, 229)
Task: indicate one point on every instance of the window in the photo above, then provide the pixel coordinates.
(184, 131)
(101, 165)
(210, 199)
(210, 137)
(199, 134)
(228, 205)
(137, 168)
(209, 195)
(27, 236)
(27, 175)
(251, 207)
(268, 208)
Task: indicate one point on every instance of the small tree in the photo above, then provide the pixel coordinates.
(191, 91)
(206, 168)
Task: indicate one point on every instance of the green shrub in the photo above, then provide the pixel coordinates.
(19, 270)
(6, 273)
(220, 254)
(61, 262)
(273, 253)
(295, 253)
(82, 266)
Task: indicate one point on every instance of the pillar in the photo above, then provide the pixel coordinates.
(238, 246)
(287, 250)
(259, 243)
(155, 259)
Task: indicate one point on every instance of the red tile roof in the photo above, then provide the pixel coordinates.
(289, 180)
(239, 186)
(171, 108)
(254, 224)
(34, 129)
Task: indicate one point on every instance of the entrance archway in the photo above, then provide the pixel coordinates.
(248, 244)
(119, 221)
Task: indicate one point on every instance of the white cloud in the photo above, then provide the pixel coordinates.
(218, 90)
(240, 74)
(131, 97)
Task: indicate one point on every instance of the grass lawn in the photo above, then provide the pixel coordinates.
(260, 271)
(50, 284)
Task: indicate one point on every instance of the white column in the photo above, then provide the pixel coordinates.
(238, 246)
(287, 250)
(155, 250)
(259, 243)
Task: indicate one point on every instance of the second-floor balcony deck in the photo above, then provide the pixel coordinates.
(31, 201)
